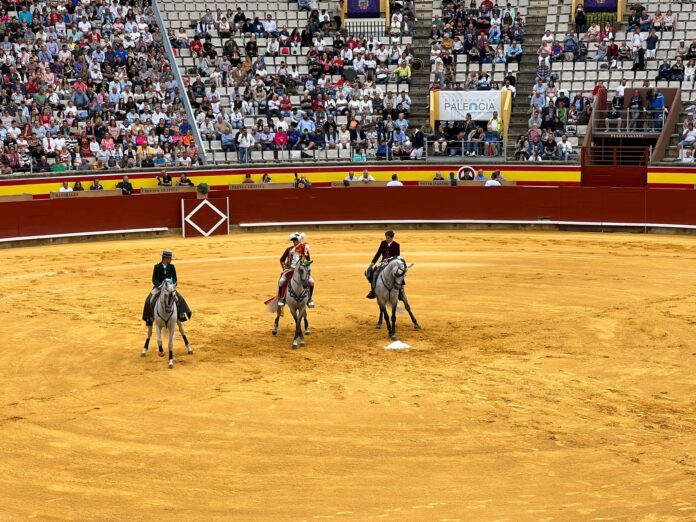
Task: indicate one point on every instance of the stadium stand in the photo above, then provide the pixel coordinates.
(475, 47)
(283, 83)
(88, 86)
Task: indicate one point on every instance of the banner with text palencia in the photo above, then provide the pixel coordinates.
(455, 105)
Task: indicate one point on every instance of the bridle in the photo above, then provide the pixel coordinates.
(400, 273)
(168, 304)
(304, 282)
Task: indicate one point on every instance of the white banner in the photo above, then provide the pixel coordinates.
(455, 105)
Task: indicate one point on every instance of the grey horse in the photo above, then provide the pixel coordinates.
(389, 288)
(166, 314)
(296, 300)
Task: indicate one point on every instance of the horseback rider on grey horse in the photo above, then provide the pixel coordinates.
(162, 271)
(387, 249)
(289, 261)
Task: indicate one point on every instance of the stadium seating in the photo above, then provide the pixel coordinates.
(86, 88)
(180, 20)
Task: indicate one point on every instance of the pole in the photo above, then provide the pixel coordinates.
(183, 95)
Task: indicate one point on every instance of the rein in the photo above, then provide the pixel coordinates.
(395, 285)
(304, 284)
(167, 308)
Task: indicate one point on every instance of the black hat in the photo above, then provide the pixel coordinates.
(167, 254)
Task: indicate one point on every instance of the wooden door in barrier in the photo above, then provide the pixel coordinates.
(205, 217)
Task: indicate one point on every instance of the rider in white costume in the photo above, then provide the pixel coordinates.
(289, 261)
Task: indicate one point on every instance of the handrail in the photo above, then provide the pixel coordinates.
(183, 94)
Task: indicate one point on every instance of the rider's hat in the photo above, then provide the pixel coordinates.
(167, 254)
(299, 236)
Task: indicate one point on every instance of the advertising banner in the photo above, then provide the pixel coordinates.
(455, 105)
(363, 9)
(600, 6)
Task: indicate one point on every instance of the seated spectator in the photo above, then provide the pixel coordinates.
(126, 186)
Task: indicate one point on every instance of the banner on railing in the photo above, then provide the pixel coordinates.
(455, 105)
(600, 6)
(363, 8)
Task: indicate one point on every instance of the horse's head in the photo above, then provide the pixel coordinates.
(303, 271)
(400, 272)
(168, 292)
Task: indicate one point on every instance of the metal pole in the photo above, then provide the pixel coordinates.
(183, 95)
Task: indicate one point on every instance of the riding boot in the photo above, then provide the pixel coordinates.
(310, 303)
(281, 301)
(372, 294)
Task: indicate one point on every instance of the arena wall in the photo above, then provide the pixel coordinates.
(535, 175)
(559, 205)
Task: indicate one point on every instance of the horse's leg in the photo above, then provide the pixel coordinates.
(277, 319)
(379, 321)
(183, 336)
(393, 318)
(383, 312)
(404, 300)
(295, 317)
(147, 341)
(170, 332)
(306, 325)
(159, 340)
(302, 315)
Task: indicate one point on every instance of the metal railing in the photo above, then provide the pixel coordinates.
(629, 121)
(366, 27)
(465, 148)
(615, 156)
(383, 151)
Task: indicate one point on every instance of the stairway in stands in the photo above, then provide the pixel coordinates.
(420, 79)
(534, 28)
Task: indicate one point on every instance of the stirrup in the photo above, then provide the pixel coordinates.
(371, 295)
(281, 302)
(310, 304)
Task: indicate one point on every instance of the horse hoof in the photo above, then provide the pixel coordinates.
(301, 343)
(171, 364)
(190, 350)
(275, 332)
(393, 337)
(161, 354)
(417, 326)
(307, 332)
(294, 347)
(143, 353)
(378, 326)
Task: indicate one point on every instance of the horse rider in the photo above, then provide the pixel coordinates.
(387, 249)
(289, 261)
(162, 271)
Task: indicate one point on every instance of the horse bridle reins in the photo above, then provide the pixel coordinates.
(305, 285)
(167, 307)
(399, 273)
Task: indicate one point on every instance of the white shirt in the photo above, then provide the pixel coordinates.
(492, 183)
(395, 183)
(65, 189)
(565, 146)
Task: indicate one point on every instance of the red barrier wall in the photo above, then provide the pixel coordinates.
(71, 215)
(618, 205)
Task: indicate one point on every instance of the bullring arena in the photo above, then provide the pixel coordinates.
(552, 378)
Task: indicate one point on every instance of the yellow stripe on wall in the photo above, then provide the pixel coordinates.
(427, 173)
(680, 178)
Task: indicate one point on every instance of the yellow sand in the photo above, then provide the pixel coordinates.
(554, 379)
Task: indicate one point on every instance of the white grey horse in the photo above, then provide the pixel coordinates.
(166, 316)
(296, 300)
(279, 311)
(388, 287)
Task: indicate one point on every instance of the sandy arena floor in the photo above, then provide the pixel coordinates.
(554, 379)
